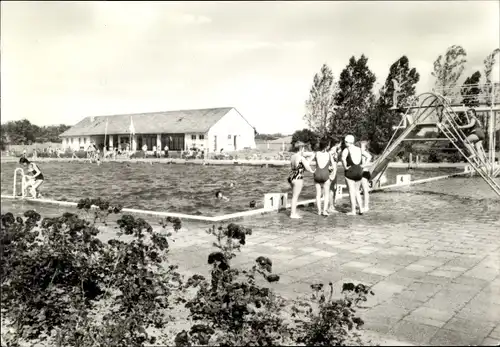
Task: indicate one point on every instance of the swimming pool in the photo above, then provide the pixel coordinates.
(181, 188)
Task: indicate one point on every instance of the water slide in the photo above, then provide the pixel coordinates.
(379, 166)
(434, 110)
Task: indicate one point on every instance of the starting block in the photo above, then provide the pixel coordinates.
(403, 179)
(468, 168)
(376, 186)
(275, 201)
(339, 191)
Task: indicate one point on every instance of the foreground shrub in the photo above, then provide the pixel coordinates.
(233, 309)
(62, 284)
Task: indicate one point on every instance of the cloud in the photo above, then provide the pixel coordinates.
(195, 19)
(236, 46)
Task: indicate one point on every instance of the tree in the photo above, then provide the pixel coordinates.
(21, 132)
(471, 90)
(3, 138)
(383, 115)
(320, 105)
(406, 77)
(489, 63)
(449, 69)
(354, 100)
(305, 136)
(51, 133)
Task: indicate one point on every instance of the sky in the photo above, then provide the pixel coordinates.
(63, 61)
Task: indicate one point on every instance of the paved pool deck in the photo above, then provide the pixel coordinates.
(434, 264)
(433, 259)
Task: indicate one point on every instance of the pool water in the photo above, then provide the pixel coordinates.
(181, 188)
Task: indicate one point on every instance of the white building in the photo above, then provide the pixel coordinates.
(213, 129)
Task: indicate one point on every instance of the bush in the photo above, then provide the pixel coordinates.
(452, 156)
(67, 154)
(62, 285)
(233, 309)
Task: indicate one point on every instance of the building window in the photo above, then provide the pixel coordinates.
(79, 140)
(229, 137)
(71, 140)
(193, 137)
(84, 140)
(202, 137)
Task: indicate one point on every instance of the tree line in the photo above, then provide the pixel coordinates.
(350, 106)
(22, 132)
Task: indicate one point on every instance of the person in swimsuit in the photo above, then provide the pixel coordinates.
(475, 134)
(220, 196)
(324, 161)
(335, 151)
(351, 160)
(35, 178)
(365, 181)
(298, 164)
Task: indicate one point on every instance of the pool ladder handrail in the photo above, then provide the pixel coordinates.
(23, 183)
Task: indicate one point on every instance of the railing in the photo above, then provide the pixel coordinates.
(479, 94)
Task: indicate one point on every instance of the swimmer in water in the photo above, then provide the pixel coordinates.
(220, 196)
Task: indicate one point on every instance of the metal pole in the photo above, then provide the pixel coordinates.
(492, 130)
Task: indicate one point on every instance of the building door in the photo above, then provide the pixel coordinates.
(175, 142)
(235, 147)
(215, 143)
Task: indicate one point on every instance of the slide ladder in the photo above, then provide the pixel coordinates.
(446, 122)
(410, 130)
(478, 160)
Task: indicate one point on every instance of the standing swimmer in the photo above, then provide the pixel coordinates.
(298, 164)
(324, 162)
(365, 181)
(335, 151)
(351, 160)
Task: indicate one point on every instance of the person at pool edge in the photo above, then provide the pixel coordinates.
(335, 151)
(35, 179)
(475, 134)
(365, 181)
(220, 196)
(351, 160)
(298, 164)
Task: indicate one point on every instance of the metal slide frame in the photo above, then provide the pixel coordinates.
(448, 126)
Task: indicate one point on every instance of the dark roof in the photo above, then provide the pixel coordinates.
(192, 121)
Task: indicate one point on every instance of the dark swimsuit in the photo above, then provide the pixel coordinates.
(321, 175)
(355, 171)
(297, 173)
(39, 177)
(478, 131)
